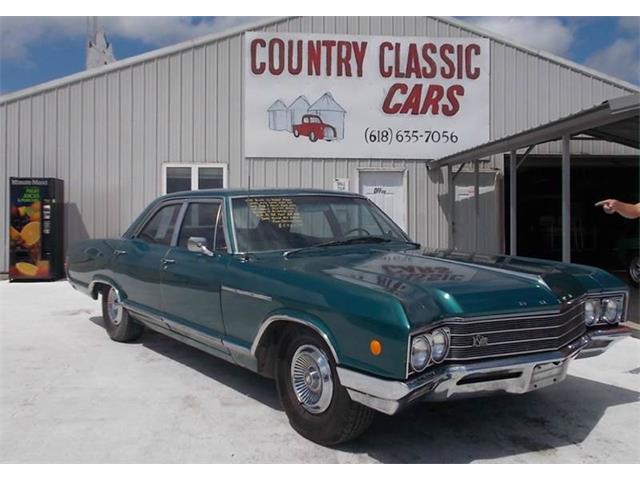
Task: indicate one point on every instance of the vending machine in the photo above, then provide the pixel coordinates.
(36, 250)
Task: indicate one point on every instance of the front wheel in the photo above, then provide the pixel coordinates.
(318, 406)
(117, 321)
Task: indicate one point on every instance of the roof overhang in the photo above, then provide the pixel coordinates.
(615, 120)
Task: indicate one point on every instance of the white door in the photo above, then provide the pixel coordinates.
(387, 190)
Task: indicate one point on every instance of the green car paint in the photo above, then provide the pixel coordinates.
(353, 294)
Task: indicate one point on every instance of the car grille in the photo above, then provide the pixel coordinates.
(494, 337)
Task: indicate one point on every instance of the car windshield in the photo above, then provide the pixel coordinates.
(292, 222)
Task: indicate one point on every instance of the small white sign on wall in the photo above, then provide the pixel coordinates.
(341, 184)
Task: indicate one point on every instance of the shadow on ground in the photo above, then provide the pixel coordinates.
(455, 432)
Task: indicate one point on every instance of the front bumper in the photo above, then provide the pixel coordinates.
(519, 374)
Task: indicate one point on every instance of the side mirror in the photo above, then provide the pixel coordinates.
(199, 245)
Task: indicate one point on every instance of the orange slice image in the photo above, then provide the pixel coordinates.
(31, 233)
(27, 269)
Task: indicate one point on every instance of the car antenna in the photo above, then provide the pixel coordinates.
(248, 202)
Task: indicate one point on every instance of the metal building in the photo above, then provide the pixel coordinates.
(123, 134)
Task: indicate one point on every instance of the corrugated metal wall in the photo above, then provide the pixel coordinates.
(107, 134)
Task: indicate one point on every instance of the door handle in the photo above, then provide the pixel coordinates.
(119, 252)
(166, 261)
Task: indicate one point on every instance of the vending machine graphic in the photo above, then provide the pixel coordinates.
(36, 247)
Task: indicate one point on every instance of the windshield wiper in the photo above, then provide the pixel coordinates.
(333, 243)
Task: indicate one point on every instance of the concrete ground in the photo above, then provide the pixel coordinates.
(69, 394)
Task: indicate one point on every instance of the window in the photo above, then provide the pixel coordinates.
(180, 177)
(203, 220)
(280, 223)
(159, 229)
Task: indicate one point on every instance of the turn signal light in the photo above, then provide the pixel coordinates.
(376, 347)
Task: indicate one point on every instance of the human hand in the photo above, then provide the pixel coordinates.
(609, 205)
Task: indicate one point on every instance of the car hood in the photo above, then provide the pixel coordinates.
(433, 284)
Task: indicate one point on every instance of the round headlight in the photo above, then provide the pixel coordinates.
(440, 342)
(591, 312)
(420, 353)
(611, 308)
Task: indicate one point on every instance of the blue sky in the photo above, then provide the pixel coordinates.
(34, 50)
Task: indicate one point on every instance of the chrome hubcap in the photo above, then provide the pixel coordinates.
(114, 307)
(311, 378)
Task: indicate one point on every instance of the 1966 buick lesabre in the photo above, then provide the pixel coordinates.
(324, 293)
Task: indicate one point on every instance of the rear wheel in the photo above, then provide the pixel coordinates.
(318, 406)
(312, 136)
(117, 321)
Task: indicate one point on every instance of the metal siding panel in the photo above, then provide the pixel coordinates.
(50, 154)
(175, 108)
(63, 134)
(211, 103)
(4, 193)
(24, 138)
(162, 93)
(126, 148)
(235, 111)
(87, 202)
(114, 149)
(149, 178)
(101, 206)
(137, 161)
(73, 194)
(199, 79)
(37, 136)
(186, 101)
(223, 103)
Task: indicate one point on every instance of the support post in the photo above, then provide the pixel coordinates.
(513, 169)
(566, 198)
(452, 200)
(476, 194)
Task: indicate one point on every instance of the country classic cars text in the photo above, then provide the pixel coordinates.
(419, 69)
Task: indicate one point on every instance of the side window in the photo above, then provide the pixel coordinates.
(199, 221)
(161, 226)
(221, 242)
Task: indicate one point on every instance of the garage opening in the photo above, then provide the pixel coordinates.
(606, 241)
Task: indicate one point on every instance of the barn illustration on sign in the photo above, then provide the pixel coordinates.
(321, 120)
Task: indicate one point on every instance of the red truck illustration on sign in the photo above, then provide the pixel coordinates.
(322, 120)
(313, 127)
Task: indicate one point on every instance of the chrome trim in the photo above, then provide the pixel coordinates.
(574, 303)
(179, 328)
(524, 340)
(517, 374)
(104, 281)
(286, 318)
(247, 293)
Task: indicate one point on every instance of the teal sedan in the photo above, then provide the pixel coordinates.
(324, 293)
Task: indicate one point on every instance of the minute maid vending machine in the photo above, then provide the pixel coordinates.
(35, 229)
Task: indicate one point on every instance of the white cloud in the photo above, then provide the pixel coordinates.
(18, 34)
(620, 59)
(543, 33)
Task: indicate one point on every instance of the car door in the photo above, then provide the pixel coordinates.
(138, 261)
(191, 281)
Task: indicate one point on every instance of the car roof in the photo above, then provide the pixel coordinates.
(243, 192)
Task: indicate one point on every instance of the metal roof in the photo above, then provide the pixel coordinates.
(264, 23)
(615, 120)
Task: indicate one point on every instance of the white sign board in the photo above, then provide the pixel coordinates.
(347, 96)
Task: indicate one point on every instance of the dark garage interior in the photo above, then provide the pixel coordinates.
(607, 241)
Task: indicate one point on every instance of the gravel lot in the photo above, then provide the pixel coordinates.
(69, 394)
